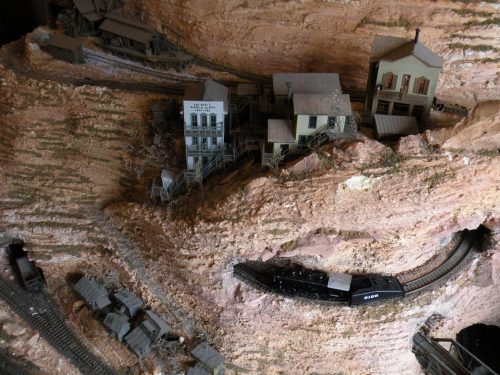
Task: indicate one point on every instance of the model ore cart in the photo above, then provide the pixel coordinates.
(209, 361)
(65, 48)
(95, 295)
(27, 272)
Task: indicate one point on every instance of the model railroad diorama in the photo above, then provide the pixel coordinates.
(276, 119)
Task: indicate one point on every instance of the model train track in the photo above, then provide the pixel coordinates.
(109, 60)
(445, 268)
(263, 280)
(40, 312)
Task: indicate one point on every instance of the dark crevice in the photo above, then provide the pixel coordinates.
(20, 17)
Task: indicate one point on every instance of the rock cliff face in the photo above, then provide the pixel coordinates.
(269, 36)
(390, 214)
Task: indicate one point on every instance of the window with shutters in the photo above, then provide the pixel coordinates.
(389, 81)
(421, 86)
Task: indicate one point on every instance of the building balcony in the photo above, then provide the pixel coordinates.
(203, 149)
(403, 98)
(204, 131)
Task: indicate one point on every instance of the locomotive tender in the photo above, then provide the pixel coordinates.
(297, 281)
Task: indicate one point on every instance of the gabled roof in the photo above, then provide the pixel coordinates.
(280, 131)
(334, 103)
(389, 48)
(88, 10)
(306, 83)
(209, 91)
(121, 27)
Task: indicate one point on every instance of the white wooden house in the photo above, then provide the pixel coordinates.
(204, 110)
(313, 110)
(402, 78)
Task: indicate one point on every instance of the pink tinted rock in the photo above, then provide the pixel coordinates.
(306, 164)
(364, 150)
(411, 145)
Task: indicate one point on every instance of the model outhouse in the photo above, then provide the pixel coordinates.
(205, 108)
(402, 78)
(95, 295)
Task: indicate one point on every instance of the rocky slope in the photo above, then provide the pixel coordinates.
(269, 36)
(365, 210)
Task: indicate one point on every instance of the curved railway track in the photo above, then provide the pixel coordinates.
(40, 312)
(466, 244)
(109, 60)
(445, 268)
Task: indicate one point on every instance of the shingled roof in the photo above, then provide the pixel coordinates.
(280, 131)
(390, 48)
(306, 83)
(335, 104)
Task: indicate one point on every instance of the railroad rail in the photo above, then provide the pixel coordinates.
(40, 312)
(452, 262)
(437, 360)
(113, 61)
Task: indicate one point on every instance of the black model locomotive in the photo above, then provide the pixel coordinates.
(296, 281)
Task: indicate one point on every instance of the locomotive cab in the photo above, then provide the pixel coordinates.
(366, 289)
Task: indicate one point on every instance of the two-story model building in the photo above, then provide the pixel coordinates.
(312, 110)
(402, 79)
(204, 109)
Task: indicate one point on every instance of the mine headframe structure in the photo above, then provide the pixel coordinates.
(436, 359)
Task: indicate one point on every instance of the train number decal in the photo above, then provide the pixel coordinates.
(371, 296)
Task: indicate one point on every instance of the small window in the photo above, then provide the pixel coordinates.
(421, 86)
(332, 121)
(213, 120)
(195, 140)
(204, 160)
(196, 160)
(382, 107)
(313, 120)
(389, 81)
(214, 141)
(194, 119)
(204, 142)
(302, 139)
(204, 120)
(400, 109)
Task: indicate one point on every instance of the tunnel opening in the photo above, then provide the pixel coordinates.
(20, 17)
(482, 341)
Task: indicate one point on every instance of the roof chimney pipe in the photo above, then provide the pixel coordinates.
(417, 31)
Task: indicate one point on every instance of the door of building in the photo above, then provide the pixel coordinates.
(405, 84)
